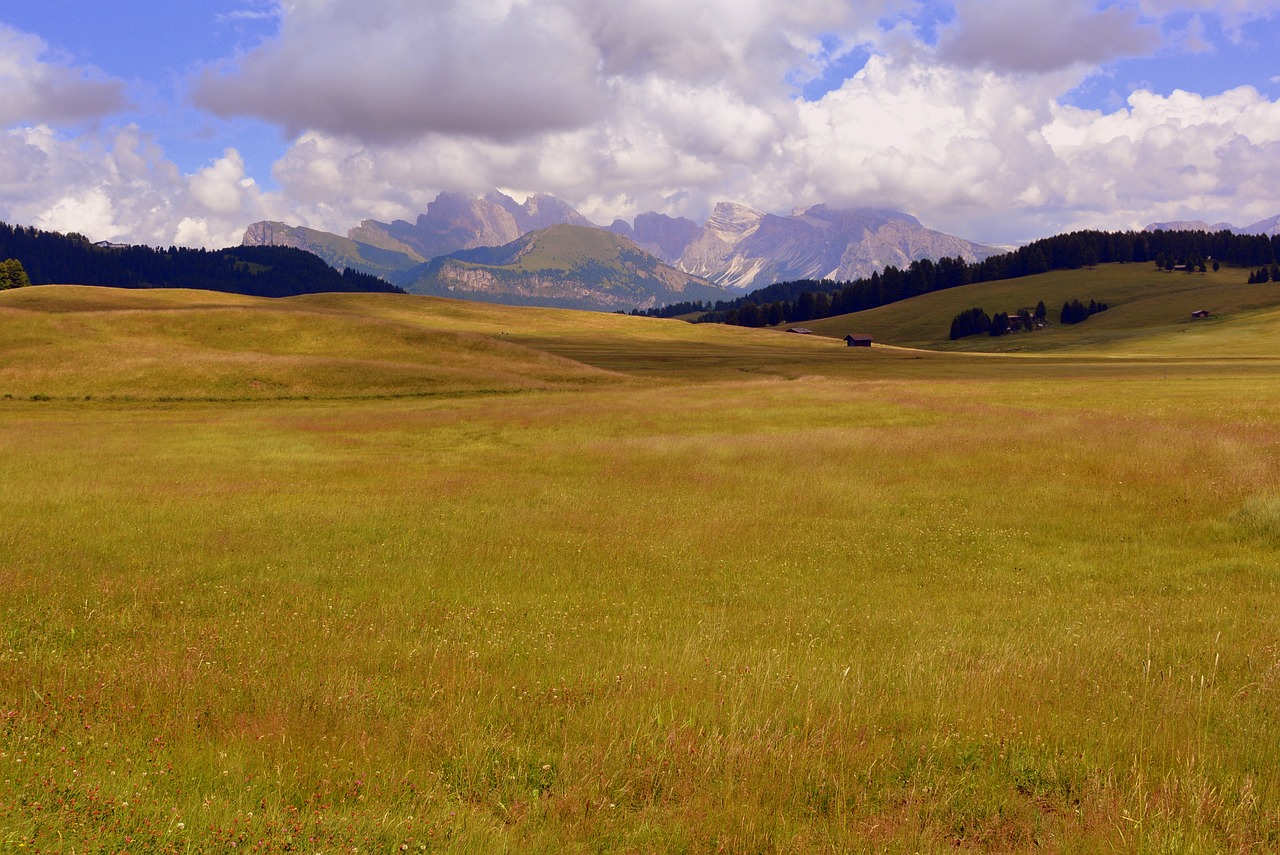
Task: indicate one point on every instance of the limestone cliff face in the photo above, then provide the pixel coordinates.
(1269, 227)
(338, 252)
(742, 249)
(452, 222)
(898, 241)
(1190, 226)
(274, 234)
(539, 211)
(711, 254)
(666, 238)
(455, 221)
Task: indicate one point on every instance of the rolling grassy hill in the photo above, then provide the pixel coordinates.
(676, 589)
(76, 341)
(72, 342)
(1150, 314)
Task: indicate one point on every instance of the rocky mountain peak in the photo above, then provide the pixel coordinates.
(273, 234)
(1269, 226)
(732, 222)
(737, 247)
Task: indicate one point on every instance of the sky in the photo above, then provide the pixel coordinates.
(1001, 121)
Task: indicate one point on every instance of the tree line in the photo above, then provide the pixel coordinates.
(807, 299)
(1263, 275)
(259, 271)
(1076, 312)
(977, 322)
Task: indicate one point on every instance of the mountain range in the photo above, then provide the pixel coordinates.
(742, 249)
(561, 266)
(1269, 227)
(737, 248)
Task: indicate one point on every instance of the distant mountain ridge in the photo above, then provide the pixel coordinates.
(742, 249)
(561, 266)
(339, 252)
(737, 247)
(451, 223)
(1269, 227)
(455, 222)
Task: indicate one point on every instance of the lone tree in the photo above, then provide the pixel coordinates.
(12, 275)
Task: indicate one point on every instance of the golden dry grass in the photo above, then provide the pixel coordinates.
(711, 590)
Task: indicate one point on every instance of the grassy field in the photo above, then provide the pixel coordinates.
(463, 578)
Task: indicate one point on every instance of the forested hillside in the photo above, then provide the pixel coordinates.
(791, 302)
(260, 271)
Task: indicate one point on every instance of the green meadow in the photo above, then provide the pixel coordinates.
(1149, 315)
(381, 573)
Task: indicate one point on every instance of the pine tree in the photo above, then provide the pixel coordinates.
(971, 322)
(805, 307)
(1036, 262)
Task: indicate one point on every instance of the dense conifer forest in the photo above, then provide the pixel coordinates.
(259, 271)
(808, 299)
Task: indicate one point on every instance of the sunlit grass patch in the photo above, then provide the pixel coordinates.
(1259, 516)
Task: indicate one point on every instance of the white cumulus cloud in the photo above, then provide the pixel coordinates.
(986, 154)
(1044, 35)
(120, 186)
(392, 70)
(36, 88)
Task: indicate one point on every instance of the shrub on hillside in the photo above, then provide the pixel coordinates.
(12, 274)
